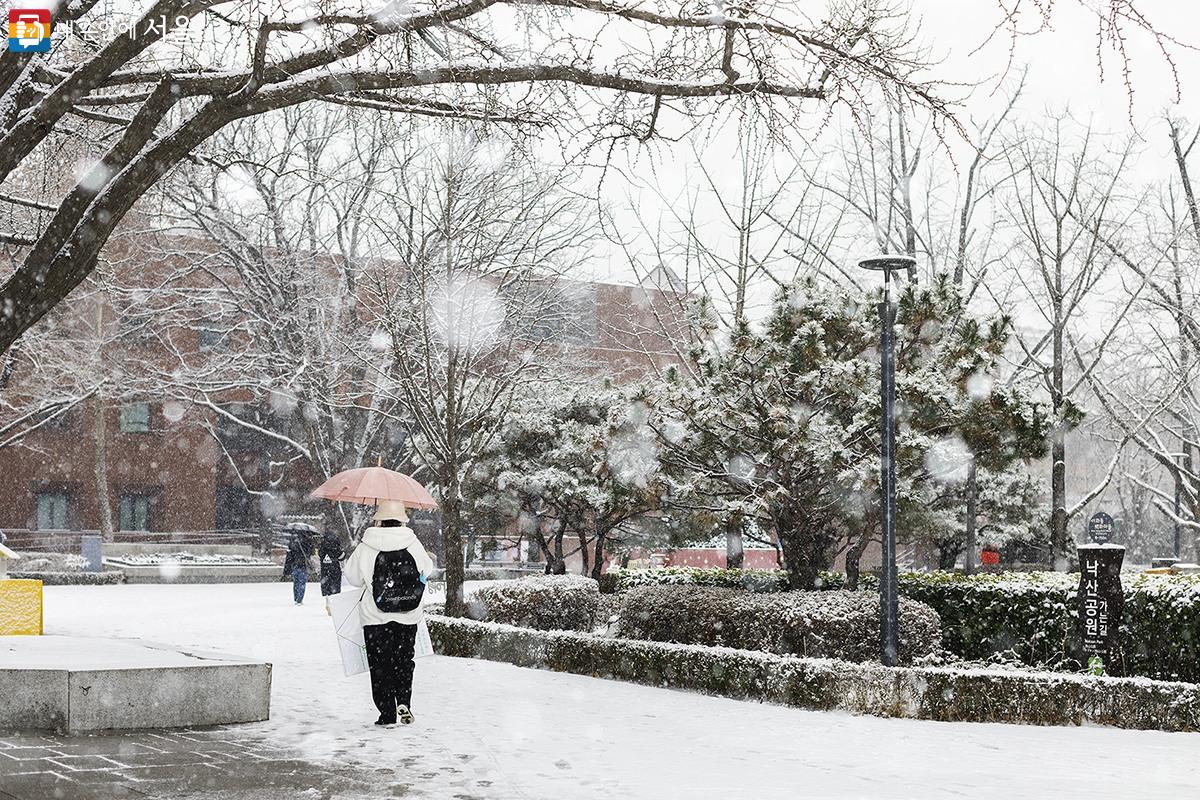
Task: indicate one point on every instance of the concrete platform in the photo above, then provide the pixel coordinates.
(80, 684)
(201, 573)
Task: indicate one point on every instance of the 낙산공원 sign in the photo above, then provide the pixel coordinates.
(1101, 601)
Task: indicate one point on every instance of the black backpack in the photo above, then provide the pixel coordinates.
(396, 584)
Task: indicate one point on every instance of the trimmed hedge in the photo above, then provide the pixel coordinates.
(543, 602)
(949, 695)
(106, 578)
(1031, 615)
(833, 624)
(1034, 615)
(754, 580)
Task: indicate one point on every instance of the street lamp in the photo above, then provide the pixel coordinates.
(889, 599)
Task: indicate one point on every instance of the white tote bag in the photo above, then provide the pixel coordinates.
(424, 645)
(348, 627)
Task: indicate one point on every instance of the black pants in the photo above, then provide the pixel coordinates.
(390, 657)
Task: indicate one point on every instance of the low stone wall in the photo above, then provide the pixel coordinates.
(80, 684)
(204, 573)
(934, 693)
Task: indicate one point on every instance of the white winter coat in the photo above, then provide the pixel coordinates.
(360, 570)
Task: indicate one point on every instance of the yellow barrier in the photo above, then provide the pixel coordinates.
(20, 607)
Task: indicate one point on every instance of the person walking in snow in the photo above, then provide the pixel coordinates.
(330, 555)
(295, 565)
(392, 567)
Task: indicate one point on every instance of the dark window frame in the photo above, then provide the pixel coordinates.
(127, 511)
(66, 509)
(128, 425)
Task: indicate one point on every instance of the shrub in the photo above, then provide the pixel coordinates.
(1029, 616)
(1034, 614)
(1161, 628)
(51, 562)
(834, 624)
(754, 580)
(106, 578)
(936, 693)
(544, 602)
(610, 581)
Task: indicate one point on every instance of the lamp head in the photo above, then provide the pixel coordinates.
(888, 263)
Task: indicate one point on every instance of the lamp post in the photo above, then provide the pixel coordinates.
(889, 599)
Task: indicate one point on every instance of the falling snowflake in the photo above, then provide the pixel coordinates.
(948, 460)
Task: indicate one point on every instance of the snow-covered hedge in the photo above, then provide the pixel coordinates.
(106, 578)
(1033, 614)
(755, 580)
(490, 574)
(936, 693)
(189, 559)
(51, 562)
(544, 602)
(834, 624)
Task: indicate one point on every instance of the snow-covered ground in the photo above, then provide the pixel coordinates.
(492, 730)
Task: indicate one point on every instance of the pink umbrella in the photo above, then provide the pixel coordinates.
(369, 485)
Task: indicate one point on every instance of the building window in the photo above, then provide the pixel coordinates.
(135, 512)
(52, 511)
(136, 324)
(135, 418)
(233, 508)
(210, 336)
(58, 419)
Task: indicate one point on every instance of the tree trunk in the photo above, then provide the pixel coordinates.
(559, 567)
(103, 501)
(452, 538)
(734, 552)
(585, 568)
(1058, 499)
(854, 557)
(947, 556)
(598, 556)
(970, 549)
(1058, 447)
(804, 546)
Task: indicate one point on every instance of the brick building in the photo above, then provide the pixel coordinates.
(167, 472)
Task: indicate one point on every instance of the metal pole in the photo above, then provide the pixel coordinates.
(889, 605)
(972, 551)
(1178, 528)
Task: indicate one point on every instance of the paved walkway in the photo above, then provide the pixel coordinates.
(488, 731)
(213, 763)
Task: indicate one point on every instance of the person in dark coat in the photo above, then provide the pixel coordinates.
(300, 550)
(330, 554)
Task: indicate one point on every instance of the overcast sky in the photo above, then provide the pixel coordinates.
(1063, 66)
(1064, 74)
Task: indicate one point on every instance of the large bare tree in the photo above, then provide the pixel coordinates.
(145, 98)
(1069, 186)
(474, 306)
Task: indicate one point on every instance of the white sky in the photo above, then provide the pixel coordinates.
(1064, 74)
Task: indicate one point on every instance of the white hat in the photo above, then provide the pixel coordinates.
(390, 509)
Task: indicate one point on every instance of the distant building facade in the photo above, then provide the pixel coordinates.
(168, 473)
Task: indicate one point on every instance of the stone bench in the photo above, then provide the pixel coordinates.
(79, 684)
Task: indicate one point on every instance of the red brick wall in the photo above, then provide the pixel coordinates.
(712, 557)
(175, 463)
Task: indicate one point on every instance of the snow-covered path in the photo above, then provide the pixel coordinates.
(492, 730)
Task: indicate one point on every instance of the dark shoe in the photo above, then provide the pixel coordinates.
(406, 717)
(385, 721)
